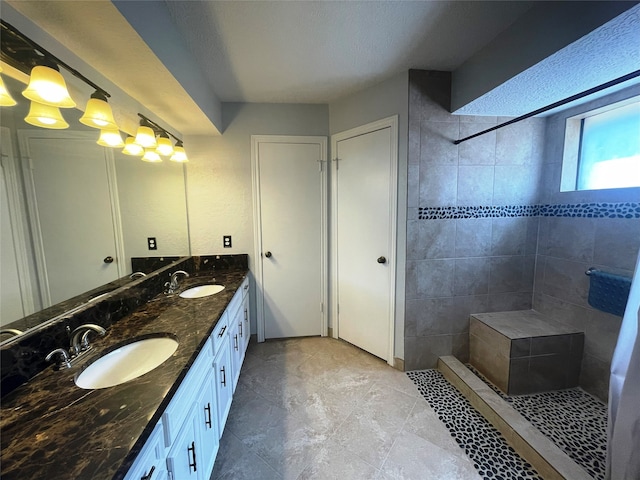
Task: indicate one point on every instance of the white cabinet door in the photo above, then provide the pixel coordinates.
(236, 347)
(207, 425)
(223, 383)
(245, 331)
(184, 459)
(151, 463)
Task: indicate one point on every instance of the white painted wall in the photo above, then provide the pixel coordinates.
(390, 97)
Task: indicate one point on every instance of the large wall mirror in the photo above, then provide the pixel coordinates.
(74, 213)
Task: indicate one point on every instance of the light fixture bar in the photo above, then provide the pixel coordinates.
(15, 34)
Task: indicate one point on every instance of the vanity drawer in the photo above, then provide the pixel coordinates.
(221, 332)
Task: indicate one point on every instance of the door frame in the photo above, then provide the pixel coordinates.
(17, 214)
(32, 203)
(391, 123)
(256, 140)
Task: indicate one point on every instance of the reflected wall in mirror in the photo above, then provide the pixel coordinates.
(74, 213)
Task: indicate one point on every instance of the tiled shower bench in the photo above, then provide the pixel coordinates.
(523, 352)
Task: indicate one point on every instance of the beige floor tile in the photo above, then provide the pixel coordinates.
(333, 462)
(414, 458)
(320, 408)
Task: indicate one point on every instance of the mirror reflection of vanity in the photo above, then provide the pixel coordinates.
(75, 213)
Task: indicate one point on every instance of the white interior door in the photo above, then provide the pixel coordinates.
(73, 214)
(364, 192)
(289, 193)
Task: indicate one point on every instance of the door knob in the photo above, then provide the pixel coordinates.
(382, 260)
(108, 259)
(267, 254)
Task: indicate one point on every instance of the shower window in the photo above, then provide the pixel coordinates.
(602, 148)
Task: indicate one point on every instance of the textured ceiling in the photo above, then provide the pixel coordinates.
(318, 51)
(609, 52)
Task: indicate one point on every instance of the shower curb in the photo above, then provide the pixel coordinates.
(544, 455)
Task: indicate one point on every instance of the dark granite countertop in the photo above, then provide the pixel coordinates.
(52, 429)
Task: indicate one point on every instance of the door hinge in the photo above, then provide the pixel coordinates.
(320, 162)
(337, 162)
(321, 307)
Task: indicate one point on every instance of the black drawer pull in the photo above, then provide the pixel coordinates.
(224, 377)
(148, 475)
(207, 409)
(235, 338)
(192, 449)
(240, 325)
(222, 331)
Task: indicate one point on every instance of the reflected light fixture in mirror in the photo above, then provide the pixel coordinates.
(45, 116)
(179, 155)
(145, 137)
(110, 138)
(47, 86)
(151, 156)
(6, 100)
(132, 148)
(165, 147)
(98, 113)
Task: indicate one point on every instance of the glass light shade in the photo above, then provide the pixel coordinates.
(98, 114)
(45, 116)
(110, 138)
(145, 137)
(47, 86)
(132, 148)
(179, 155)
(165, 147)
(6, 100)
(151, 156)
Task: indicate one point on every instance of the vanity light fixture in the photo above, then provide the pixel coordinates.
(145, 136)
(151, 156)
(179, 155)
(45, 116)
(165, 147)
(132, 148)
(47, 86)
(6, 100)
(110, 138)
(98, 113)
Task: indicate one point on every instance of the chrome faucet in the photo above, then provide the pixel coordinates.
(80, 337)
(64, 357)
(135, 275)
(172, 285)
(10, 331)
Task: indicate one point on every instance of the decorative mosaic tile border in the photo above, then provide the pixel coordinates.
(490, 453)
(572, 419)
(586, 210)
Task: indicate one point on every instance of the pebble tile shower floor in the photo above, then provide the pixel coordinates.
(574, 420)
(492, 456)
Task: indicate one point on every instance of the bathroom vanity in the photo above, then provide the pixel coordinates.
(165, 424)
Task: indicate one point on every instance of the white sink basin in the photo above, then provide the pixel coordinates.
(127, 362)
(202, 291)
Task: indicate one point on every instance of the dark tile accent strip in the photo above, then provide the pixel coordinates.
(588, 210)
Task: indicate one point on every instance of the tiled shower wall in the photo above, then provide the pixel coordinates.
(568, 246)
(489, 230)
(461, 258)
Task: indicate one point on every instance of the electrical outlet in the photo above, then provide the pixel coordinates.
(226, 241)
(151, 243)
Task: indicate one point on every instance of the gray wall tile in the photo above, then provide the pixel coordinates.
(514, 144)
(436, 145)
(570, 238)
(475, 185)
(509, 236)
(473, 237)
(435, 278)
(480, 150)
(616, 242)
(438, 185)
(566, 280)
(431, 239)
(471, 276)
